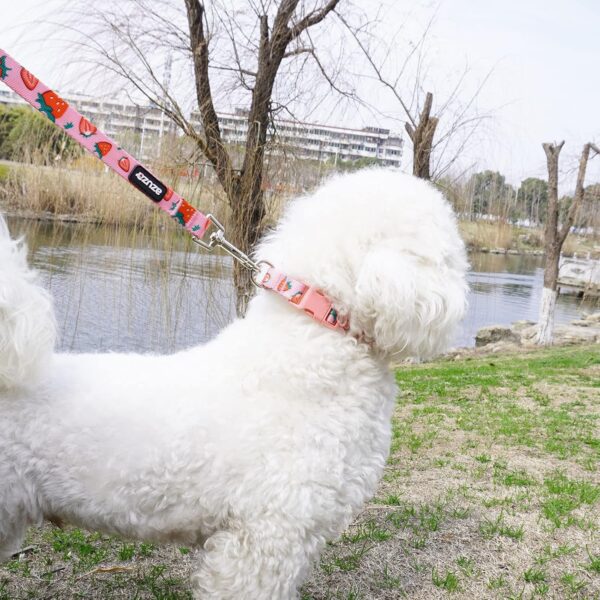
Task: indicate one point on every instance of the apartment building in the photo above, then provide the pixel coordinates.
(141, 129)
(317, 142)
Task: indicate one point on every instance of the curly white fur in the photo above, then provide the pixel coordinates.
(261, 444)
(27, 328)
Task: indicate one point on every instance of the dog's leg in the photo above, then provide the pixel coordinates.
(262, 563)
(19, 508)
(13, 522)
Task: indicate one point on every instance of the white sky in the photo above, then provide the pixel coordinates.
(545, 85)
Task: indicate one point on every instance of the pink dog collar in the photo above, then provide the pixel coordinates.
(76, 126)
(304, 297)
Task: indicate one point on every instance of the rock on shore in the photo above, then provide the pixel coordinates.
(521, 334)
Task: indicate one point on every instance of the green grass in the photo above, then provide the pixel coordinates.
(467, 565)
(127, 552)
(449, 581)
(347, 561)
(496, 583)
(86, 549)
(390, 582)
(498, 526)
(565, 495)
(4, 173)
(572, 583)
(534, 576)
(369, 531)
(159, 585)
(392, 500)
(594, 564)
(508, 477)
(480, 396)
(549, 553)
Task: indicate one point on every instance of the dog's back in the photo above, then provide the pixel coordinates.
(27, 326)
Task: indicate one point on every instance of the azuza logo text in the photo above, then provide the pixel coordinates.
(144, 181)
(141, 177)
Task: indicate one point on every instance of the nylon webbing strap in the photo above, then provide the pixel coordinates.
(96, 142)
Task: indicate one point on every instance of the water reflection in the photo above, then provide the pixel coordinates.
(124, 290)
(118, 289)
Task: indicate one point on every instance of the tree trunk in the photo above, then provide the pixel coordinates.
(422, 139)
(555, 237)
(549, 295)
(552, 248)
(546, 326)
(246, 228)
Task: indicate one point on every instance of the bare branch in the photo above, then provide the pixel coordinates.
(579, 192)
(314, 18)
(236, 56)
(377, 70)
(298, 51)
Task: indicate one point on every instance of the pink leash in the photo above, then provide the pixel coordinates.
(205, 229)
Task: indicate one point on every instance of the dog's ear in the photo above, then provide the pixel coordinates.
(408, 304)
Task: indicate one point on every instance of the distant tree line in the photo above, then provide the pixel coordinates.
(486, 194)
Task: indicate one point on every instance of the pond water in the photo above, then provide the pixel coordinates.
(508, 288)
(121, 290)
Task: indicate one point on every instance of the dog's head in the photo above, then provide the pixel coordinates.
(384, 246)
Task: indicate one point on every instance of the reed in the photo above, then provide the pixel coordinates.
(484, 234)
(85, 192)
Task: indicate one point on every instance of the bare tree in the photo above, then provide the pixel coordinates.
(555, 234)
(439, 138)
(235, 50)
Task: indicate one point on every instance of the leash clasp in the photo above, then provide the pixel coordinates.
(215, 236)
(208, 240)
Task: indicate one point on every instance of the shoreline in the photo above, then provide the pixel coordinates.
(91, 196)
(82, 219)
(519, 337)
(508, 251)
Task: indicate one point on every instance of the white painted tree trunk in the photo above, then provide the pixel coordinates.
(546, 321)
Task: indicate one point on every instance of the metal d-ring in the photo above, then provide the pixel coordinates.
(259, 264)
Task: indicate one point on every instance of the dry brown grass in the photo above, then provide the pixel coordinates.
(84, 191)
(483, 234)
(87, 193)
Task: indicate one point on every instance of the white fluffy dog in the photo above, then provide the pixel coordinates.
(261, 444)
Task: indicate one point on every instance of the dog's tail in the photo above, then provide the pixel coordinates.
(27, 324)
